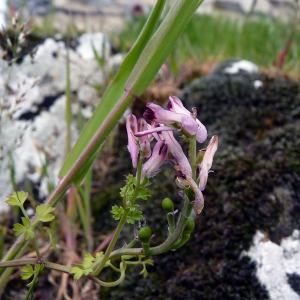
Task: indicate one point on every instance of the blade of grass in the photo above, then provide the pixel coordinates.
(112, 96)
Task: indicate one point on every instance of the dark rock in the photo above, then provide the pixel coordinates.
(255, 186)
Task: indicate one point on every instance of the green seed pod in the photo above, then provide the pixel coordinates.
(167, 205)
(190, 226)
(144, 234)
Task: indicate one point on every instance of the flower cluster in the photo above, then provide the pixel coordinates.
(162, 124)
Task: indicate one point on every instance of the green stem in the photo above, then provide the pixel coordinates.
(33, 261)
(114, 283)
(101, 263)
(172, 238)
(171, 222)
(132, 244)
(167, 244)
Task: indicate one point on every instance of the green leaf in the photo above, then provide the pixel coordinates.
(117, 212)
(78, 272)
(144, 194)
(99, 255)
(26, 272)
(144, 272)
(127, 192)
(26, 229)
(17, 199)
(88, 260)
(134, 214)
(44, 213)
(83, 269)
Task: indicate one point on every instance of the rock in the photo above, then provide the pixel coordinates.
(3, 8)
(276, 264)
(254, 188)
(90, 43)
(33, 108)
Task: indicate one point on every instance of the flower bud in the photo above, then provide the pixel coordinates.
(144, 234)
(167, 205)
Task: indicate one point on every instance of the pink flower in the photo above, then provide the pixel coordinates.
(151, 167)
(183, 180)
(177, 155)
(178, 120)
(133, 148)
(207, 161)
(175, 105)
(144, 140)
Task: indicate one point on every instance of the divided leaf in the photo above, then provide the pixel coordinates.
(27, 272)
(144, 193)
(117, 212)
(44, 213)
(134, 214)
(17, 199)
(26, 229)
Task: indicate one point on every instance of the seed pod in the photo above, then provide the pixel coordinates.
(167, 205)
(190, 226)
(144, 234)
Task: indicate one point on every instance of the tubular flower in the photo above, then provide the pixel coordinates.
(177, 155)
(178, 120)
(175, 105)
(151, 167)
(206, 163)
(133, 147)
(144, 140)
(184, 180)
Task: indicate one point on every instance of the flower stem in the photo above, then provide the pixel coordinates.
(101, 263)
(33, 261)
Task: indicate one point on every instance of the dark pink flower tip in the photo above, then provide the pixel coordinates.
(159, 115)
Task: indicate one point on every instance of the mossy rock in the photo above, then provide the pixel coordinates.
(255, 186)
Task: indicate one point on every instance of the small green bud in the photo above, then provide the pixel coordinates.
(190, 226)
(167, 205)
(144, 234)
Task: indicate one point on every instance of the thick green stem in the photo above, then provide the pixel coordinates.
(172, 238)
